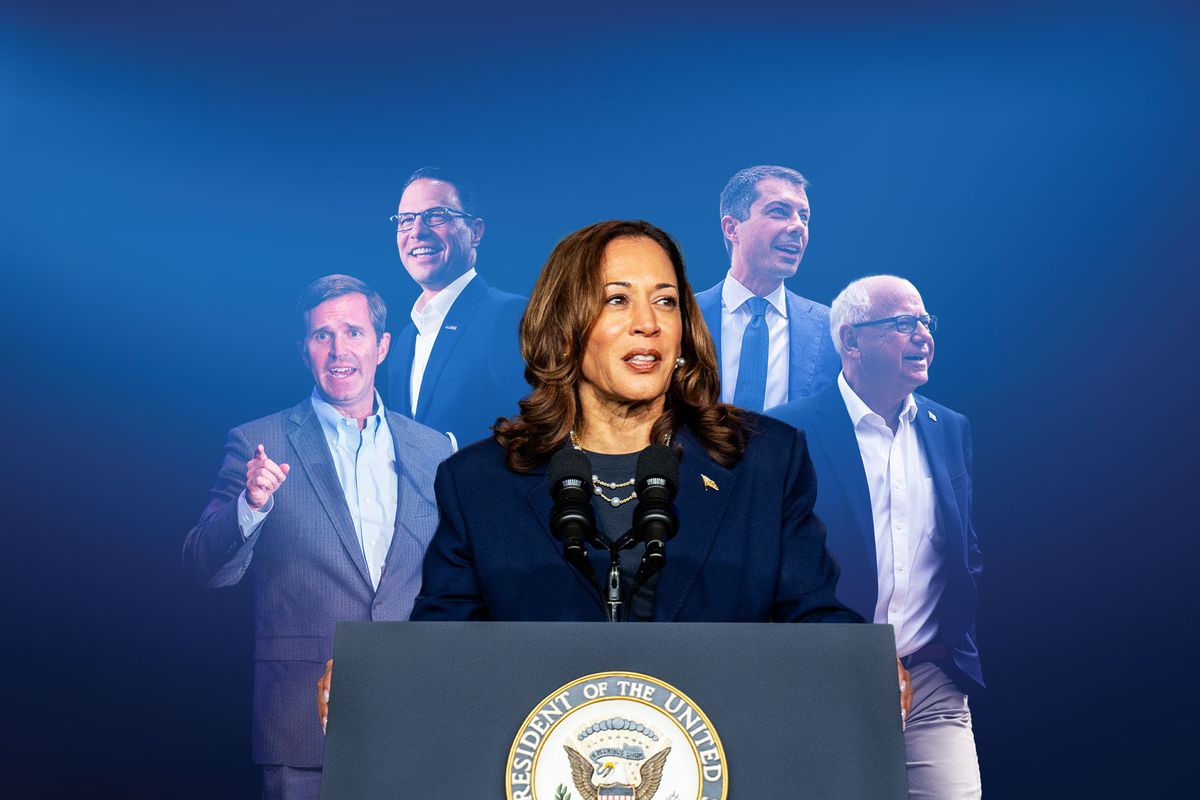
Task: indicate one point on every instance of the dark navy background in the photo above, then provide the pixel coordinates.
(171, 177)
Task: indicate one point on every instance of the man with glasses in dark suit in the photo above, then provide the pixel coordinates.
(457, 366)
(895, 475)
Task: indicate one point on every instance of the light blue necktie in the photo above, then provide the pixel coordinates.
(751, 390)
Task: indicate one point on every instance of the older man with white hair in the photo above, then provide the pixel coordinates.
(895, 476)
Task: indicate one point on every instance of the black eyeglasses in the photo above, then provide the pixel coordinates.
(905, 323)
(432, 217)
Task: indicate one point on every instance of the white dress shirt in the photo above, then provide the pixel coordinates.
(365, 461)
(735, 316)
(428, 319)
(904, 510)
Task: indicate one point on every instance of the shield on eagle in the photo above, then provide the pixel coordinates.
(617, 759)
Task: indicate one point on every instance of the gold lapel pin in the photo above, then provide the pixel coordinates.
(709, 483)
(932, 415)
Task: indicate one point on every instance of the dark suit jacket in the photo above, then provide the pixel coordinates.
(306, 563)
(813, 363)
(749, 550)
(475, 372)
(844, 504)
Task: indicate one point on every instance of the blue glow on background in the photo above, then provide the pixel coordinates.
(173, 176)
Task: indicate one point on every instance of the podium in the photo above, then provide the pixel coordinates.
(434, 710)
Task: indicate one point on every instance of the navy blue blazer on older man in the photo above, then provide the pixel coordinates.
(749, 548)
(845, 506)
(307, 565)
(475, 372)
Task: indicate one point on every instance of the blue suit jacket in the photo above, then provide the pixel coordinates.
(845, 506)
(749, 550)
(475, 372)
(306, 564)
(813, 363)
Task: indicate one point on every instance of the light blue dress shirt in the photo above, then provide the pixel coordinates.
(365, 461)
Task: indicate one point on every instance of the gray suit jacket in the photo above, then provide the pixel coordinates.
(307, 567)
(813, 362)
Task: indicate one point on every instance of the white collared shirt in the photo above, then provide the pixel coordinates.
(904, 512)
(735, 316)
(428, 319)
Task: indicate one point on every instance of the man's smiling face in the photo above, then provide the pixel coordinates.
(769, 244)
(434, 257)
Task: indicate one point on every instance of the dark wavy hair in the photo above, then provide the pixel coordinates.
(566, 302)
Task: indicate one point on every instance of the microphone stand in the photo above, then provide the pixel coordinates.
(614, 587)
(614, 600)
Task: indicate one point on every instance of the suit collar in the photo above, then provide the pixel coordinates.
(308, 440)
(835, 436)
(709, 302)
(932, 433)
(704, 503)
(804, 331)
(412, 472)
(734, 295)
(857, 409)
(400, 369)
(436, 307)
(539, 500)
(453, 328)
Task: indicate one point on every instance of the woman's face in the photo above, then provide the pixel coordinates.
(632, 346)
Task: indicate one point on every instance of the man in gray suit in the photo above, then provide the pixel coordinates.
(329, 506)
(773, 345)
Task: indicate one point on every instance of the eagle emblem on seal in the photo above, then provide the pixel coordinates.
(617, 759)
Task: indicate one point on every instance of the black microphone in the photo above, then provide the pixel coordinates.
(572, 521)
(654, 519)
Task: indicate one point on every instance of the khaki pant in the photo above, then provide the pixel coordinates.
(939, 743)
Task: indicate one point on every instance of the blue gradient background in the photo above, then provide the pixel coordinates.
(173, 176)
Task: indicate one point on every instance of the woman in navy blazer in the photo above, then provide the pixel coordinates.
(619, 358)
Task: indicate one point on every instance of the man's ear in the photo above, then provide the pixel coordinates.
(385, 342)
(729, 226)
(848, 336)
(303, 354)
(477, 228)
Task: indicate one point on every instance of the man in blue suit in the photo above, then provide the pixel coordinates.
(772, 344)
(457, 366)
(895, 493)
(329, 506)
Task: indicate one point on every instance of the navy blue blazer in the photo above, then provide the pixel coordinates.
(475, 373)
(845, 506)
(813, 362)
(748, 549)
(306, 563)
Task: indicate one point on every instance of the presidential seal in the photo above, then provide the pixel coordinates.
(616, 736)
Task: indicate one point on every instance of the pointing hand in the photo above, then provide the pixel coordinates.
(263, 477)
